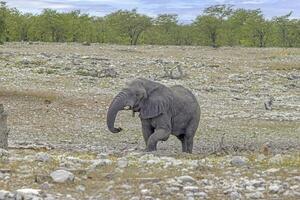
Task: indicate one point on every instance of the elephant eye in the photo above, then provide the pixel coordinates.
(138, 95)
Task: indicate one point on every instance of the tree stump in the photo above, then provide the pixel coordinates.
(3, 128)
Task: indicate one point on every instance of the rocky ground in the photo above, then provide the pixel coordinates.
(57, 95)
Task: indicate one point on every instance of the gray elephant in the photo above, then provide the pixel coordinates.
(163, 111)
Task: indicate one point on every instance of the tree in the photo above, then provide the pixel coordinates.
(3, 14)
(255, 29)
(285, 30)
(211, 22)
(129, 24)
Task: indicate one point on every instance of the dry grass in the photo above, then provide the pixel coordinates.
(37, 94)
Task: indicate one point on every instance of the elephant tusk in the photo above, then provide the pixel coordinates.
(126, 107)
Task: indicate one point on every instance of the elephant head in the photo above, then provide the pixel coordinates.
(138, 96)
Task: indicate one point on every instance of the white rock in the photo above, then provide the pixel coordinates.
(102, 156)
(255, 195)
(274, 188)
(145, 191)
(42, 157)
(4, 194)
(122, 163)
(190, 189)
(186, 179)
(80, 188)
(297, 178)
(272, 170)
(100, 163)
(239, 161)
(235, 195)
(201, 195)
(257, 183)
(295, 187)
(135, 198)
(45, 186)
(3, 153)
(28, 193)
(172, 189)
(61, 176)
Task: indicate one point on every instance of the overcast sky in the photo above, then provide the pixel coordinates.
(186, 9)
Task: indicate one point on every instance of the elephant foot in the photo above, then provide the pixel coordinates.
(150, 149)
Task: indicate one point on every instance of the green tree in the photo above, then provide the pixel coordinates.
(211, 23)
(285, 30)
(3, 14)
(129, 24)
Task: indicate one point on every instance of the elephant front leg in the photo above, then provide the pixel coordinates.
(158, 135)
(147, 130)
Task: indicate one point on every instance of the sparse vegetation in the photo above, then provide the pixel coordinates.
(63, 115)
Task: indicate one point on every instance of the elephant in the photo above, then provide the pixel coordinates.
(162, 110)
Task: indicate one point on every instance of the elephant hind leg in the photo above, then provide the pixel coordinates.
(189, 136)
(183, 142)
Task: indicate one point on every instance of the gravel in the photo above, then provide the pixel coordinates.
(57, 96)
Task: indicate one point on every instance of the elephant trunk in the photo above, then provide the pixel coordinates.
(116, 105)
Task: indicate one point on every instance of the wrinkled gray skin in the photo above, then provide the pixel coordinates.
(163, 111)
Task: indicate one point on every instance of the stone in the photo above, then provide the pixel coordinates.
(61, 176)
(122, 163)
(186, 179)
(274, 188)
(3, 153)
(190, 189)
(80, 188)
(255, 195)
(99, 163)
(4, 194)
(145, 191)
(239, 161)
(273, 170)
(257, 183)
(42, 157)
(201, 195)
(28, 193)
(45, 186)
(297, 178)
(234, 195)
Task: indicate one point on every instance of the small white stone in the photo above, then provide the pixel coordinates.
(235, 195)
(4, 194)
(190, 189)
(239, 161)
(61, 176)
(272, 170)
(274, 188)
(122, 163)
(186, 179)
(255, 195)
(100, 163)
(145, 191)
(80, 188)
(28, 193)
(42, 157)
(3, 153)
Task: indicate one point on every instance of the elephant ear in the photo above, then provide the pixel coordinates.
(153, 107)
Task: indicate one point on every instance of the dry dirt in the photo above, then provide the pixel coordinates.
(57, 98)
